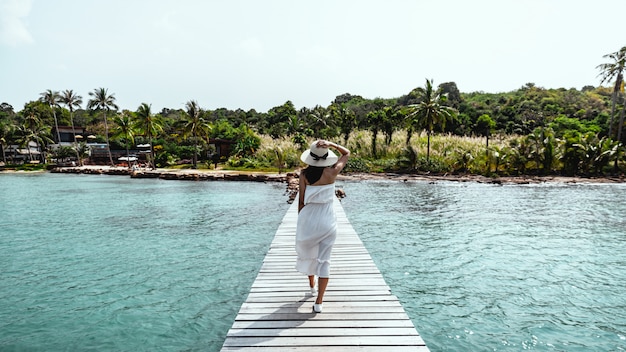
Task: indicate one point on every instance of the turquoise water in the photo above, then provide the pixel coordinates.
(110, 263)
(482, 267)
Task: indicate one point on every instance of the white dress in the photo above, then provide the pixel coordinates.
(316, 230)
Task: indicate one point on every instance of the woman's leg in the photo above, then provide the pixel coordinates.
(312, 281)
(322, 284)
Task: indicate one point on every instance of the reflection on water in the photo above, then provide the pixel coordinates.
(500, 268)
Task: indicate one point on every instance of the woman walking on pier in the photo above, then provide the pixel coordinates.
(317, 224)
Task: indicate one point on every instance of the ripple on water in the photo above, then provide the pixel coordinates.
(483, 267)
(110, 263)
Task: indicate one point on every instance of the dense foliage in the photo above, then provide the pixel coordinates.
(531, 130)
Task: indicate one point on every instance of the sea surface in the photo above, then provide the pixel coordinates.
(483, 267)
(109, 263)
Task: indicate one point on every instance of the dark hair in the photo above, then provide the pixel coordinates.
(313, 173)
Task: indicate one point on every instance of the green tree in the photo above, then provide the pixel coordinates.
(596, 152)
(346, 119)
(103, 101)
(247, 142)
(318, 121)
(62, 153)
(6, 131)
(543, 150)
(71, 101)
(149, 125)
(608, 71)
(484, 127)
(375, 121)
(277, 119)
(430, 112)
(34, 130)
(52, 98)
(295, 128)
(125, 129)
(389, 123)
(194, 126)
(572, 154)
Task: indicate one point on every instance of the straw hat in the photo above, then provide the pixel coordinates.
(316, 156)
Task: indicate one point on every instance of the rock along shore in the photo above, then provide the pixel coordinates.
(167, 174)
(291, 178)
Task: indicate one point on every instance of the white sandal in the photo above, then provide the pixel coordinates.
(317, 308)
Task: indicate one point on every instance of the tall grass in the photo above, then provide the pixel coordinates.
(448, 153)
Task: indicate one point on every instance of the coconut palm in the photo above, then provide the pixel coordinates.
(484, 127)
(101, 100)
(125, 129)
(430, 112)
(389, 123)
(6, 130)
(193, 126)
(346, 119)
(608, 71)
(318, 117)
(375, 120)
(52, 98)
(33, 130)
(72, 100)
(32, 122)
(149, 125)
(543, 148)
(596, 152)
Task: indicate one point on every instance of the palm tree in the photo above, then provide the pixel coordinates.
(596, 152)
(6, 130)
(52, 98)
(375, 120)
(319, 119)
(150, 125)
(430, 112)
(608, 71)
(72, 101)
(34, 130)
(24, 136)
(543, 148)
(125, 130)
(194, 125)
(346, 119)
(484, 127)
(389, 123)
(103, 101)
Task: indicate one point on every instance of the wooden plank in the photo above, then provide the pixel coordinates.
(360, 313)
(322, 316)
(344, 323)
(326, 341)
(322, 332)
(318, 349)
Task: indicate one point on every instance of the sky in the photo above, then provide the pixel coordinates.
(258, 54)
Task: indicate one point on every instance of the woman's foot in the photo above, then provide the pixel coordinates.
(317, 308)
(313, 291)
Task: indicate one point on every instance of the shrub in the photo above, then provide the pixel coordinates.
(357, 165)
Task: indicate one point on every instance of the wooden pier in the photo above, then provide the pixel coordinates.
(360, 313)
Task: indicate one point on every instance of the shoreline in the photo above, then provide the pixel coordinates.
(484, 179)
(291, 178)
(201, 175)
